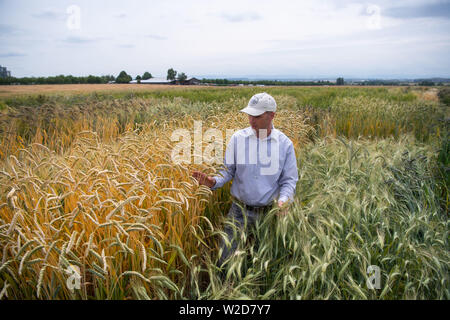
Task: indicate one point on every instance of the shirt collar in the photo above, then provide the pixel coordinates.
(274, 133)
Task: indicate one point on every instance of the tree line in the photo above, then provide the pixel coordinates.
(123, 77)
(172, 74)
(61, 79)
(225, 82)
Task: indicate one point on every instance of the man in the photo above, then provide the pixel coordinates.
(261, 161)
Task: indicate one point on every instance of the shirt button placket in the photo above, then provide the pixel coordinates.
(255, 168)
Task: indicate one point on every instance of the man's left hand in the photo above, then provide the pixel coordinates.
(283, 208)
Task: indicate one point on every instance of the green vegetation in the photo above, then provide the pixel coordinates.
(358, 204)
(123, 77)
(340, 81)
(87, 180)
(171, 74)
(444, 96)
(182, 77)
(61, 79)
(147, 75)
(226, 82)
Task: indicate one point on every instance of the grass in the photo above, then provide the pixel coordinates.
(87, 181)
(55, 120)
(384, 212)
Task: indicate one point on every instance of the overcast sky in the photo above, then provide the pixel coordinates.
(297, 39)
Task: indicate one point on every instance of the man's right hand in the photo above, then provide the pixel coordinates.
(204, 179)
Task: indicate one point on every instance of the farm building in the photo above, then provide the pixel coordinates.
(190, 81)
(155, 81)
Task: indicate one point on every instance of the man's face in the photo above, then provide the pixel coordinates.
(263, 121)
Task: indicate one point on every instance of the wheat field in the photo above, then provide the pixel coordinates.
(90, 192)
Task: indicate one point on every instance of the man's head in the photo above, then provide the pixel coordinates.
(261, 111)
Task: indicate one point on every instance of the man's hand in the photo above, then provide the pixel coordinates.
(283, 208)
(204, 179)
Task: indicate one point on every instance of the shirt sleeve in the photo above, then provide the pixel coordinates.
(289, 176)
(228, 172)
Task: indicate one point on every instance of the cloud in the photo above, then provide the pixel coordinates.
(126, 45)
(240, 17)
(155, 37)
(227, 37)
(49, 14)
(80, 40)
(432, 10)
(7, 29)
(12, 54)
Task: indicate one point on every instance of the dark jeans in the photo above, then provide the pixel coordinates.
(241, 222)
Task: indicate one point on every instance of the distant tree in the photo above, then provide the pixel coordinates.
(171, 74)
(123, 77)
(138, 78)
(106, 78)
(444, 96)
(182, 77)
(61, 79)
(426, 83)
(69, 79)
(93, 79)
(147, 75)
(340, 81)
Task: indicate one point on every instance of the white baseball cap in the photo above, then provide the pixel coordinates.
(260, 103)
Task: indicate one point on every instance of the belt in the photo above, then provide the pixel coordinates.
(258, 209)
(253, 208)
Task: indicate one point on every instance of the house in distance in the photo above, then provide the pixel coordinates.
(190, 81)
